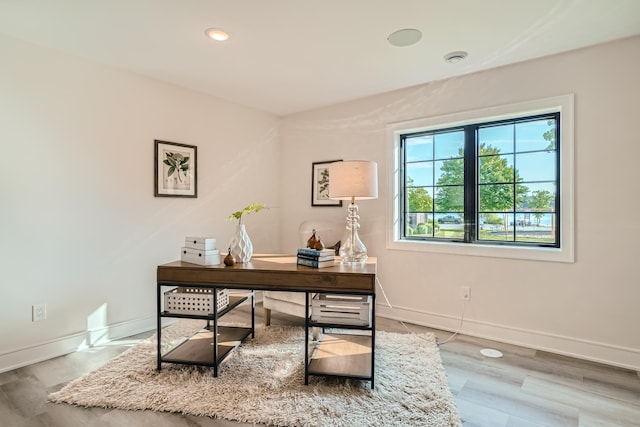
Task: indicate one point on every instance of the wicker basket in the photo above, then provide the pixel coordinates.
(194, 300)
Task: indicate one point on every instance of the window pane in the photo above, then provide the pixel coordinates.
(539, 197)
(493, 221)
(450, 225)
(496, 197)
(419, 225)
(496, 226)
(495, 169)
(540, 166)
(499, 138)
(450, 144)
(449, 229)
(450, 199)
(536, 135)
(535, 227)
(419, 148)
(449, 172)
(419, 199)
(420, 174)
(410, 224)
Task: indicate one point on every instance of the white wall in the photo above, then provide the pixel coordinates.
(80, 229)
(588, 308)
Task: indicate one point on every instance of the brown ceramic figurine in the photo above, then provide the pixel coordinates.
(229, 260)
(311, 243)
(318, 245)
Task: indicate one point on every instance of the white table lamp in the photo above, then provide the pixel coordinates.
(353, 180)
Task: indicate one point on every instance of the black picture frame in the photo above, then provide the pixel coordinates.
(175, 169)
(320, 181)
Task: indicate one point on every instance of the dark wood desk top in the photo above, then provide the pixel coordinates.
(273, 272)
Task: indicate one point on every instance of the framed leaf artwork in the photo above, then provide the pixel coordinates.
(320, 181)
(175, 170)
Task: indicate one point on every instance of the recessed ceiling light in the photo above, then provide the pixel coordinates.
(454, 57)
(217, 34)
(405, 37)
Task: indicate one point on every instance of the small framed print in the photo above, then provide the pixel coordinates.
(320, 182)
(176, 169)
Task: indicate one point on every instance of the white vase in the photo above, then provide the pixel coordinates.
(241, 246)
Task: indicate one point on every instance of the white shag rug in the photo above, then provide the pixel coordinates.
(262, 382)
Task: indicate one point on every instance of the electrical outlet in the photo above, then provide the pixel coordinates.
(39, 312)
(465, 293)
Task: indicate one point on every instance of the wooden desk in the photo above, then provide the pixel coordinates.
(280, 273)
(274, 273)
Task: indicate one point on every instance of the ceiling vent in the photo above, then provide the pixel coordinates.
(454, 57)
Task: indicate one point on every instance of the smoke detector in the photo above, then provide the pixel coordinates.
(454, 57)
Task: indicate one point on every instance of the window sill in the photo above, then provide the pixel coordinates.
(485, 250)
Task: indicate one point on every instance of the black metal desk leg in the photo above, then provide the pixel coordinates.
(253, 313)
(159, 326)
(306, 338)
(215, 332)
(373, 338)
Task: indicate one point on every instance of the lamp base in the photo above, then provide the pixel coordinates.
(352, 250)
(353, 261)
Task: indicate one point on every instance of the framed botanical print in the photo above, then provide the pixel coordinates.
(176, 169)
(320, 182)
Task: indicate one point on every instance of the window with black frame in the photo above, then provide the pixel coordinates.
(492, 182)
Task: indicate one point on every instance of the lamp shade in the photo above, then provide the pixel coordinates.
(356, 179)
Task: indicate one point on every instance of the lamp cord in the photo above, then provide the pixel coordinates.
(384, 294)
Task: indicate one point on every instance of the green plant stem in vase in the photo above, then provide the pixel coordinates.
(241, 246)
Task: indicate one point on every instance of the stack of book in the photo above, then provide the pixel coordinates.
(316, 258)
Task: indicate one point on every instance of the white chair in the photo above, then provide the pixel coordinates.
(330, 232)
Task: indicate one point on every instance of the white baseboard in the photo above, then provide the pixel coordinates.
(18, 358)
(623, 357)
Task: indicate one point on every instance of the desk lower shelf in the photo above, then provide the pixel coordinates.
(198, 350)
(342, 355)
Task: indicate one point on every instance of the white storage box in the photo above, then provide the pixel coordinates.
(341, 309)
(202, 243)
(194, 300)
(201, 257)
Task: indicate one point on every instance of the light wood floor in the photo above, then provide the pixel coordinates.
(524, 388)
